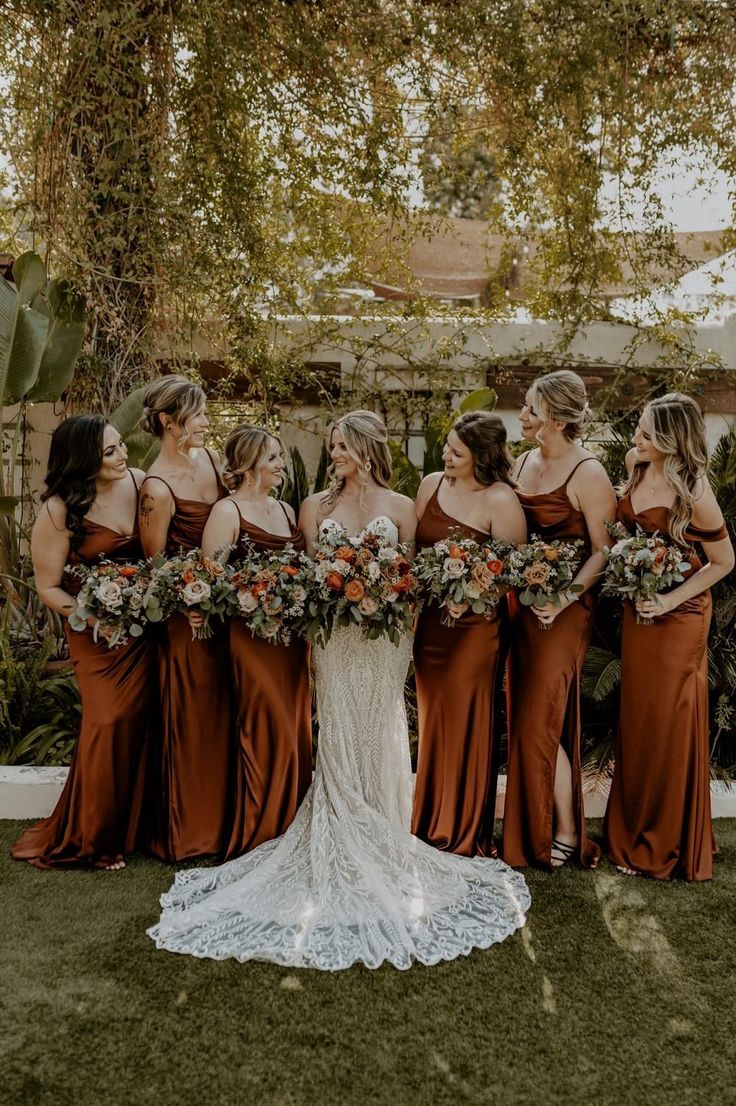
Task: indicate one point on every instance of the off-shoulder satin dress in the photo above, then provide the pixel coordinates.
(658, 819)
(543, 698)
(274, 719)
(457, 670)
(189, 797)
(96, 819)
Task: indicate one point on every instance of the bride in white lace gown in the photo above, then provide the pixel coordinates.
(348, 882)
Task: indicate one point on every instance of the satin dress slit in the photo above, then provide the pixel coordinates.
(274, 721)
(658, 820)
(543, 698)
(190, 776)
(457, 670)
(96, 820)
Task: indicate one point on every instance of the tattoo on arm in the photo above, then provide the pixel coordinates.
(146, 508)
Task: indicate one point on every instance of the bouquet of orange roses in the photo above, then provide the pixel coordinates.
(360, 581)
(641, 565)
(117, 596)
(269, 590)
(190, 582)
(460, 574)
(543, 571)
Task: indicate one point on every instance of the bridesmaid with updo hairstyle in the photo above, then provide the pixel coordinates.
(566, 495)
(190, 787)
(271, 681)
(90, 512)
(457, 667)
(658, 821)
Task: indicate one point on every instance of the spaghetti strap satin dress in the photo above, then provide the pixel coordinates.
(658, 820)
(457, 671)
(96, 819)
(274, 719)
(543, 698)
(189, 796)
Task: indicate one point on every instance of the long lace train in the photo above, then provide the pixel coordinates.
(348, 882)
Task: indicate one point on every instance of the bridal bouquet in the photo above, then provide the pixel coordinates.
(641, 565)
(543, 571)
(361, 581)
(459, 575)
(190, 582)
(117, 597)
(269, 590)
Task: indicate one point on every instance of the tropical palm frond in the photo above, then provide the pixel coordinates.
(601, 674)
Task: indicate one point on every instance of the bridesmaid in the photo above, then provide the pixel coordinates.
(658, 821)
(189, 788)
(271, 681)
(457, 667)
(90, 509)
(565, 494)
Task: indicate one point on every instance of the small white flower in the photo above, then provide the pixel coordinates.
(373, 571)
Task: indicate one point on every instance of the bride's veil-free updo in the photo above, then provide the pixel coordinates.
(366, 440)
(484, 434)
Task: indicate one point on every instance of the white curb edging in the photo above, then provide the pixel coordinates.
(30, 792)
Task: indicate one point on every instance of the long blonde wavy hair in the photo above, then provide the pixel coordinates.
(366, 439)
(678, 431)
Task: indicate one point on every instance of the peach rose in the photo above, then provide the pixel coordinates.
(550, 553)
(368, 606)
(537, 574)
(456, 610)
(457, 551)
(290, 570)
(345, 553)
(354, 591)
(481, 576)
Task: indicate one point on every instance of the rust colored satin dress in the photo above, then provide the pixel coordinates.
(190, 789)
(274, 720)
(457, 670)
(658, 819)
(543, 698)
(96, 819)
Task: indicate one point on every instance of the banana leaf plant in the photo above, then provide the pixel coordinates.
(42, 326)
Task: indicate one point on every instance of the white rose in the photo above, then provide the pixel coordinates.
(195, 592)
(110, 595)
(343, 567)
(473, 590)
(298, 595)
(454, 567)
(247, 601)
(387, 553)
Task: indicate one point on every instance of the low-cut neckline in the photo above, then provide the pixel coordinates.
(451, 518)
(262, 529)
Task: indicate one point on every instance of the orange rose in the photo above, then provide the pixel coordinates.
(259, 588)
(290, 570)
(550, 553)
(402, 584)
(457, 551)
(354, 591)
(128, 570)
(495, 567)
(345, 553)
(334, 581)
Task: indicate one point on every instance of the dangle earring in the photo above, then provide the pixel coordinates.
(367, 466)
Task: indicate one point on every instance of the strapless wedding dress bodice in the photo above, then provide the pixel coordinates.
(348, 882)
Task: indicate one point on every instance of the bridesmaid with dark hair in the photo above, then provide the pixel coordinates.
(457, 667)
(271, 681)
(566, 495)
(190, 791)
(658, 821)
(90, 513)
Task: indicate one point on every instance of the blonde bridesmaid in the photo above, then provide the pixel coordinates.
(457, 667)
(90, 512)
(658, 821)
(271, 681)
(190, 788)
(565, 494)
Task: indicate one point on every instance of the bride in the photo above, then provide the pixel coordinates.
(348, 882)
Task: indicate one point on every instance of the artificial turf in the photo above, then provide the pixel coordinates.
(619, 991)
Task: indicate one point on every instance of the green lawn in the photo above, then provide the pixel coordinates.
(618, 991)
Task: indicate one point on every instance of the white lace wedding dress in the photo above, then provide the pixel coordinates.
(348, 882)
